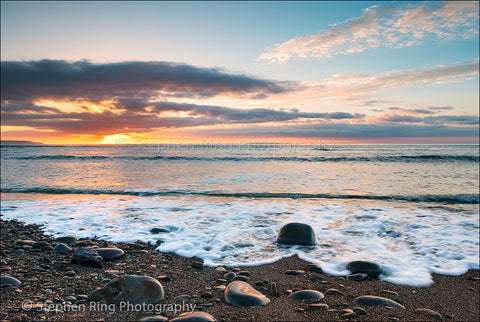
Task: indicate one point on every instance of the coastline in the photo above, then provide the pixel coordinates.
(45, 277)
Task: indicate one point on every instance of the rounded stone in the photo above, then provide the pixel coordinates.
(314, 268)
(320, 306)
(372, 269)
(61, 249)
(87, 257)
(430, 313)
(110, 253)
(129, 288)
(8, 280)
(70, 239)
(40, 244)
(240, 293)
(230, 275)
(306, 295)
(152, 318)
(296, 234)
(369, 300)
(357, 277)
(196, 316)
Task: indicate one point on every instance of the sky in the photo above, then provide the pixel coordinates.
(203, 72)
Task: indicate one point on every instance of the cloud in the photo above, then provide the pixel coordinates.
(132, 115)
(61, 80)
(384, 27)
(440, 119)
(343, 130)
(81, 98)
(350, 86)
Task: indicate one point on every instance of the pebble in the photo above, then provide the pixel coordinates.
(369, 300)
(240, 278)
(272, 288)
(333, 291)
(306, 295)
(388, 292)
(182, 298)
(110, 253)
(152, 318)
(40, 244)
(240, 293)
(221, 270)
(244, 273)
(70, 239)
(315, 268)
(8, 280)
(359, 310)
(221, 281)
(197, 265)
(230, 275)
(296, 234)
(220, 287)
(87, 257)
(71, 299)
(196, 316)
(164, 278)
(317, 306)
(357, 277)
(129, 288)
(293, 272)
(316, 278)
(343, 311)
(430, 313)
(70, 273)
(25, 242)
(206, 295)
(372, 269)
(61, 249)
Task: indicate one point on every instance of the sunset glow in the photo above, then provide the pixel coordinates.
(371, 77)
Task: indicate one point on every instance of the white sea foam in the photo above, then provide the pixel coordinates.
(409, 241)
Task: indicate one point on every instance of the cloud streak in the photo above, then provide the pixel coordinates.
(58, 79)
(388, 26)
(58, 98)
(350, 86)
(344, 130)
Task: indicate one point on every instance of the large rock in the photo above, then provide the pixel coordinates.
(240, 293)
(196, 316)
(306, 295)
(129, 288)
(370, 300)
(87, 257)
(61, 249)
(69, 240)
(110, 253)
(372, 269)
(8, 280)
(296, 234)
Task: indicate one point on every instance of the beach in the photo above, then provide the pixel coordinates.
(48, 280)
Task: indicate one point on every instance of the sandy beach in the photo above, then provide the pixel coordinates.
(54, 289)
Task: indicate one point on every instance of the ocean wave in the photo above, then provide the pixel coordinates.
(387, 158)
(450, 199)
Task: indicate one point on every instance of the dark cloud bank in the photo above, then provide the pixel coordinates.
(142, 93)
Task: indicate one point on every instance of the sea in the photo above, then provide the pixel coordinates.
(412, 208)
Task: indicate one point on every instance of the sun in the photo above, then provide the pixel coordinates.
(120, 138)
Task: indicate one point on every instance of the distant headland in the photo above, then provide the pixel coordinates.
(14, 142)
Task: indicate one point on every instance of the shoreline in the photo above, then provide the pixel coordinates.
(47, 278)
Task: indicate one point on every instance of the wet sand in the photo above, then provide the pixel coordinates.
(47, 280)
